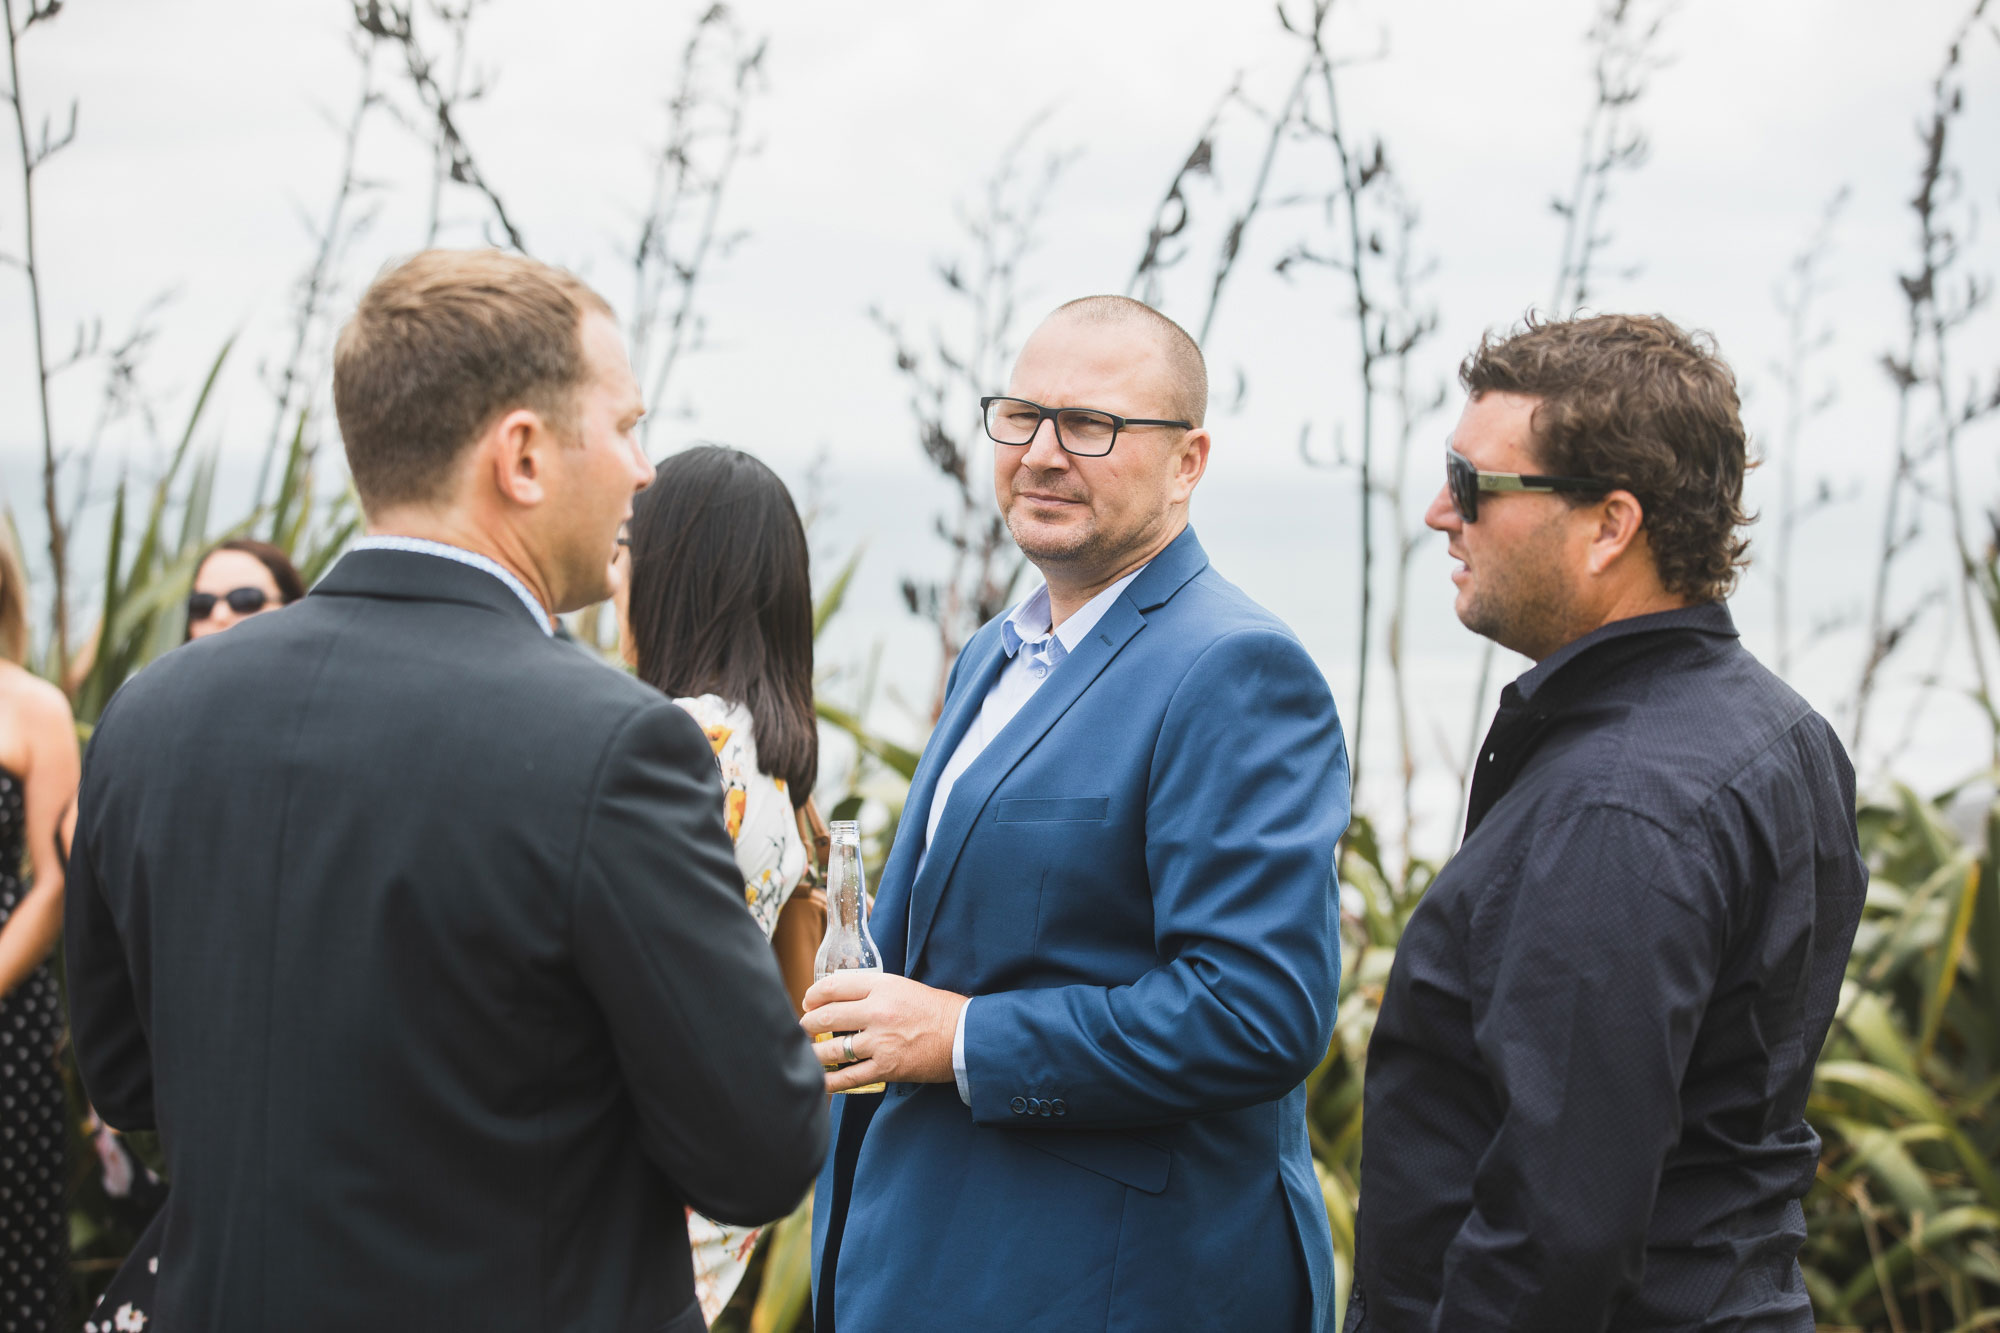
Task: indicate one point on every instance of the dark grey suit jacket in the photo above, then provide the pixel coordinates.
(418, 937)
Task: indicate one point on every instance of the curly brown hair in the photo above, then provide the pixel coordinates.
(1645, 406)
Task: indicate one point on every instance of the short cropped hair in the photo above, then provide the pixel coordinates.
(1185, 363)
(441, 345)
(1644, 406)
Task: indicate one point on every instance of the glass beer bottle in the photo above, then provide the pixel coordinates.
(848, 947)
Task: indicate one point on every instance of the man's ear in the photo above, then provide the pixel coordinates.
(1619, 520)
(1192, 464)
(515, 453)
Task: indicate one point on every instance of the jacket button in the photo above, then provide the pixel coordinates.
(1019, 1106)
(1042, 1108)
(1060, 1109)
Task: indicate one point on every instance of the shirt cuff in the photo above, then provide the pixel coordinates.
(958, 1056)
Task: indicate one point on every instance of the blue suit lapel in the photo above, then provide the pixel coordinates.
(890, 917)
(975, 786)
(907, 899)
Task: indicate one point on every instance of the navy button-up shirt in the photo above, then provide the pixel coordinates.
(1587, 1084)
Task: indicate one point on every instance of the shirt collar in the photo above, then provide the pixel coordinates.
(1702, 618)
(459, 555)
(1028, 624)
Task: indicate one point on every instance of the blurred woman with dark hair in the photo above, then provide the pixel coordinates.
(718, 597)
(239, 579)
(38, 772)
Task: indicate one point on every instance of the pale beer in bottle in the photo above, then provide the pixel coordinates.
(848, 947)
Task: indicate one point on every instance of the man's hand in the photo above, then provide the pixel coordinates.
(901, 1030)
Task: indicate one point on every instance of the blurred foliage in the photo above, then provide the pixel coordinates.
(874, 785)
(1378, 898)
(159, 535)
(1903, 1223)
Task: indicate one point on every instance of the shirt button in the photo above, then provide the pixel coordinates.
(1019, 1106)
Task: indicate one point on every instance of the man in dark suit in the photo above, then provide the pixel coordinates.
(1587, 1085)
(416, 934)
(1108, 924)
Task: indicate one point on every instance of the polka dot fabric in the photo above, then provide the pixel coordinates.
(34, 1234)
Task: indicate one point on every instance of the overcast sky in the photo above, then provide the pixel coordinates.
(208, 127)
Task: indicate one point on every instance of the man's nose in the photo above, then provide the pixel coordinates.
(642, 470)
(1045, 452)
(1443, 514)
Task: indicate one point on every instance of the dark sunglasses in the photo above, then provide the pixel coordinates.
(1466, 482)
(243, 601)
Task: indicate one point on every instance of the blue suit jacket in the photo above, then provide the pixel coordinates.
(1135, 879)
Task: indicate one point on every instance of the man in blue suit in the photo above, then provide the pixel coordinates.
(1108, 924)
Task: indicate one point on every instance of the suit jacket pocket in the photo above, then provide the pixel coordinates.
(1050, 810)
(1110, 1154)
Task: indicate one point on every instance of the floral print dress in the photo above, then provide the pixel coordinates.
(758, 812)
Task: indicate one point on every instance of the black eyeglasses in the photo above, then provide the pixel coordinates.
(243, 601)
(1082, 431)
(1466, 482)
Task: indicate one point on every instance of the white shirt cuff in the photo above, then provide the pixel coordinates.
(958, 1056)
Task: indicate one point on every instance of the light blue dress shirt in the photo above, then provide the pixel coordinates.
(458, 554)
(1033, 649)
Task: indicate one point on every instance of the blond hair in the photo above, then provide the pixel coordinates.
(13, 599)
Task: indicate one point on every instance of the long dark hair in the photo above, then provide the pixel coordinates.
(283, 572)
(721, 600)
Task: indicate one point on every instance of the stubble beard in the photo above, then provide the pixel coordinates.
(1525, 610)
(1077, 544)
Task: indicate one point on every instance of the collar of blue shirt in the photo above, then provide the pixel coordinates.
(1028, 626)
(443, 551)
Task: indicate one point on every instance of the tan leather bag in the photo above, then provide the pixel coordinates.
(802, 920)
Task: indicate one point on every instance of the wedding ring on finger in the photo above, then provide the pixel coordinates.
(847, 1045)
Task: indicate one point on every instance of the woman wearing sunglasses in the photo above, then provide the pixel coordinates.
(237, 580)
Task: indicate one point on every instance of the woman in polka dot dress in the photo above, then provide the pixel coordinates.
(38, 768)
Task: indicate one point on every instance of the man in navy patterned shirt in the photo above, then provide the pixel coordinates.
(1586, 1091)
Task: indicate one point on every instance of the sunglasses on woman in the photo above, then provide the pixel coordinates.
(1466, 482)
(243, 601)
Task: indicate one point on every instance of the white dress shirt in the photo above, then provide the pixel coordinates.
(459, 555)
(1033, 651)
